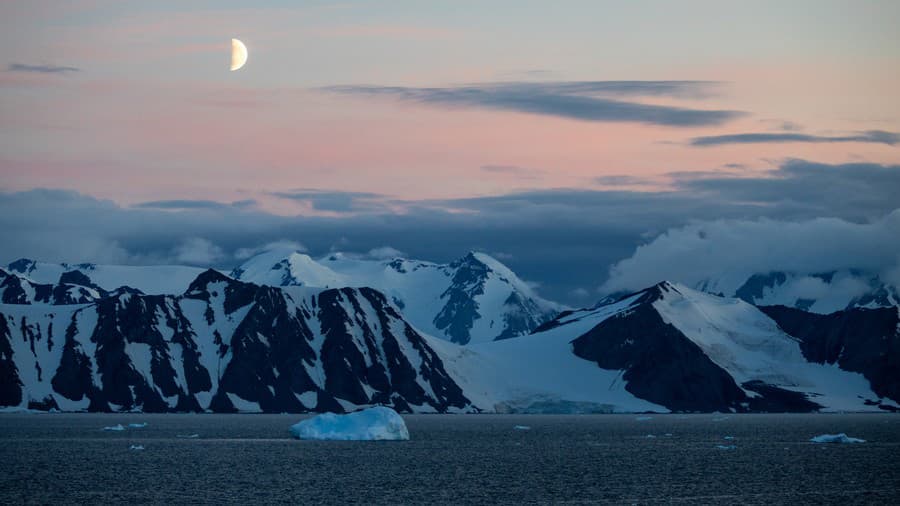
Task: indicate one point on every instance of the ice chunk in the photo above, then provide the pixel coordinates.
(836, 438)
(726, 447)
(187, 436)
(137, 425)
(522, 427)
(374, 424)
(643, 418)
(118, 427)
(136, 447)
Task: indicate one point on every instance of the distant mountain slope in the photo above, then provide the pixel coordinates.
(690, 351)
(223, 346)
(148, 279)
(473, 299)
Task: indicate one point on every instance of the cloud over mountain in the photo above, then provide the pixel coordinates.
(739, 248)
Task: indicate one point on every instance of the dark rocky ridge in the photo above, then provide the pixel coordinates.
(861, 340)
(665, 367)
(148, 352)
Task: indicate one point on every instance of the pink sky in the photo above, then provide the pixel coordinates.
(153, 112)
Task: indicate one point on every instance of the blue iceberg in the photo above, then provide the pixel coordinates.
(373, 424)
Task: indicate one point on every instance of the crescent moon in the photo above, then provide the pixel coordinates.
(238, 54)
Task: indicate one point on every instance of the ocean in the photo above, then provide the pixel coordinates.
(452, 459)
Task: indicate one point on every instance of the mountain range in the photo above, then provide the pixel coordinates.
(287, 333)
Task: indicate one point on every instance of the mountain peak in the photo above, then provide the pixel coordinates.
(22, 265)
(201, 282)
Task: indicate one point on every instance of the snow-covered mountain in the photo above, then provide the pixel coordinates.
(819, 293)
(471, 300)
(148, 279)
(224, 346)
(673, 348)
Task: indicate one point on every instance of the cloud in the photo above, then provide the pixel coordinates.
(284, 244)
(43, 69)
(562, 238)
(335, 201)
(198, 251)
(194, 204)
(580, 293)
(579, 100)
(734, 249)
(385, 253)
(855, 191)
(870, 136)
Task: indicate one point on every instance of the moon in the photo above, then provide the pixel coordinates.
(238, 54)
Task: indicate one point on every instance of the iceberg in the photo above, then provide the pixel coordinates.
(521, 427)
(374, 424)
(836, 438)
(136, 447)
(117, 427)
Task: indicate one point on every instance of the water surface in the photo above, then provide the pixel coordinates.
(458, 459)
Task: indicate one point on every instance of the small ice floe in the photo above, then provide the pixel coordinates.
(643, 418)
(137, 425)
(521, 427)
(374, 424)
(187, 436)
(729, 438)
(836, 438)
(136, 447)
(118, 427)
(726, 447)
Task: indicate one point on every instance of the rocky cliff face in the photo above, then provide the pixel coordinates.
(866, 341)
(223, 346)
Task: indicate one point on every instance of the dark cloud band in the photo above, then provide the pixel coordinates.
(585, 101)
(870, 136)
(564, 239)
(43, 69)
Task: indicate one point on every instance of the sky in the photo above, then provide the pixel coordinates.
(557, 136)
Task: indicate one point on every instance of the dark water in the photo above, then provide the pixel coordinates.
(66, 458)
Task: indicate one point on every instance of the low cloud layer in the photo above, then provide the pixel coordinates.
(870, 136)
(732, 250)
(598, 101)
(564, 239)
